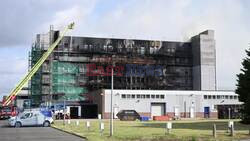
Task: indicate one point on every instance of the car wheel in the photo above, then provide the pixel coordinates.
(46, 124)
(18, 124)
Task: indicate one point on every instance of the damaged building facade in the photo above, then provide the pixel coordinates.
(81, 66)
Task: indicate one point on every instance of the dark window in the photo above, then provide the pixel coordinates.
(128, 96)
(226, 97)
(205, 96)
(162, 96)
(218, 96)
(133, 96)
(138, 96)
(143, 96)
(153, 96)
(209, 97)
(231, 97)
(157, 96)
(123, 96)
(214, 97)
(235, 97)
(148, 96)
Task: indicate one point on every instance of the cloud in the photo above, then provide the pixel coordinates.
(142, 19)
(180, 20)
(12, 70)
(22, 20)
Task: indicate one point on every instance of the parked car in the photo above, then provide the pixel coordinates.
(33, 117)
(128, 115)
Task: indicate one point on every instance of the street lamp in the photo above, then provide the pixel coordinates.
(111, 100)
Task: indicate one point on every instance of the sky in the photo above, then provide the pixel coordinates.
(171, 20)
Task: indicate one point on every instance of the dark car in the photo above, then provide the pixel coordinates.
(128, 115)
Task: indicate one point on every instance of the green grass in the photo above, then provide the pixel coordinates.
(155, 131)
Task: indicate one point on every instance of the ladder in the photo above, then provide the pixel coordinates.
(35, 68)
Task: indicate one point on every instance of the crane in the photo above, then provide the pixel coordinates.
(35, 68)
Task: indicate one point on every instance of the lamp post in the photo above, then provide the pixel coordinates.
(111, 101)
(111, 98)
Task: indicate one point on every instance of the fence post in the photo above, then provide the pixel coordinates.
(168, 127)
(232, 130)
(88, 125)
(214, 131)
(101, 128)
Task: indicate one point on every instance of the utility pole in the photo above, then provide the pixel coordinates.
(111, 100)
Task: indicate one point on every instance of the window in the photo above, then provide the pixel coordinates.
(231, 97)
(218, 96)
(132, 96)
(215, 107)
(205, 96)
(157, 96)
(209, 97)
(226, 96)
(27, 115)
(214, 97)
(162, 96)
(123, 96)
(152, 96)
(138, 96)
(148, 96)
(128, 96)
(143, 96)
(235, 97)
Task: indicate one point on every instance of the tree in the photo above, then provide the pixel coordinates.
(243, 88)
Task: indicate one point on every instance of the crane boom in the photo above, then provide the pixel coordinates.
(35, 68)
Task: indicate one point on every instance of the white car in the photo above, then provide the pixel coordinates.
(32, 118)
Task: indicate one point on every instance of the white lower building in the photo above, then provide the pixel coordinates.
(174, 103)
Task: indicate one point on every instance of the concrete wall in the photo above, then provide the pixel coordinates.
(204, 61)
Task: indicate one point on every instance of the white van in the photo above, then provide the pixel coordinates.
(32, 118)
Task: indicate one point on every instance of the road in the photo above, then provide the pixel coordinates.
(33, 134)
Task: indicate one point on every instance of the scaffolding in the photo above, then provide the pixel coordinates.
(36, 80)
(65, 82)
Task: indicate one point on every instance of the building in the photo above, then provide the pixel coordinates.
(80, 66)
(22, 100)
(175, 103)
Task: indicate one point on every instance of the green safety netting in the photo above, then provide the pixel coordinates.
(63, 78)
(60, 67)
(65, 81)
(71, 92)
(68, 89)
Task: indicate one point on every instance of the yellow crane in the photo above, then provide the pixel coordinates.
(35, 68)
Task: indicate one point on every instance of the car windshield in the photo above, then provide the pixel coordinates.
(26, 115)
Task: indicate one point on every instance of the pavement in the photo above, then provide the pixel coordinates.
(33, 134)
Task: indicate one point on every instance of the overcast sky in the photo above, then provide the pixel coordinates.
(143, 19)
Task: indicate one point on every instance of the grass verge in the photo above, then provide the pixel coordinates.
(198, 130)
